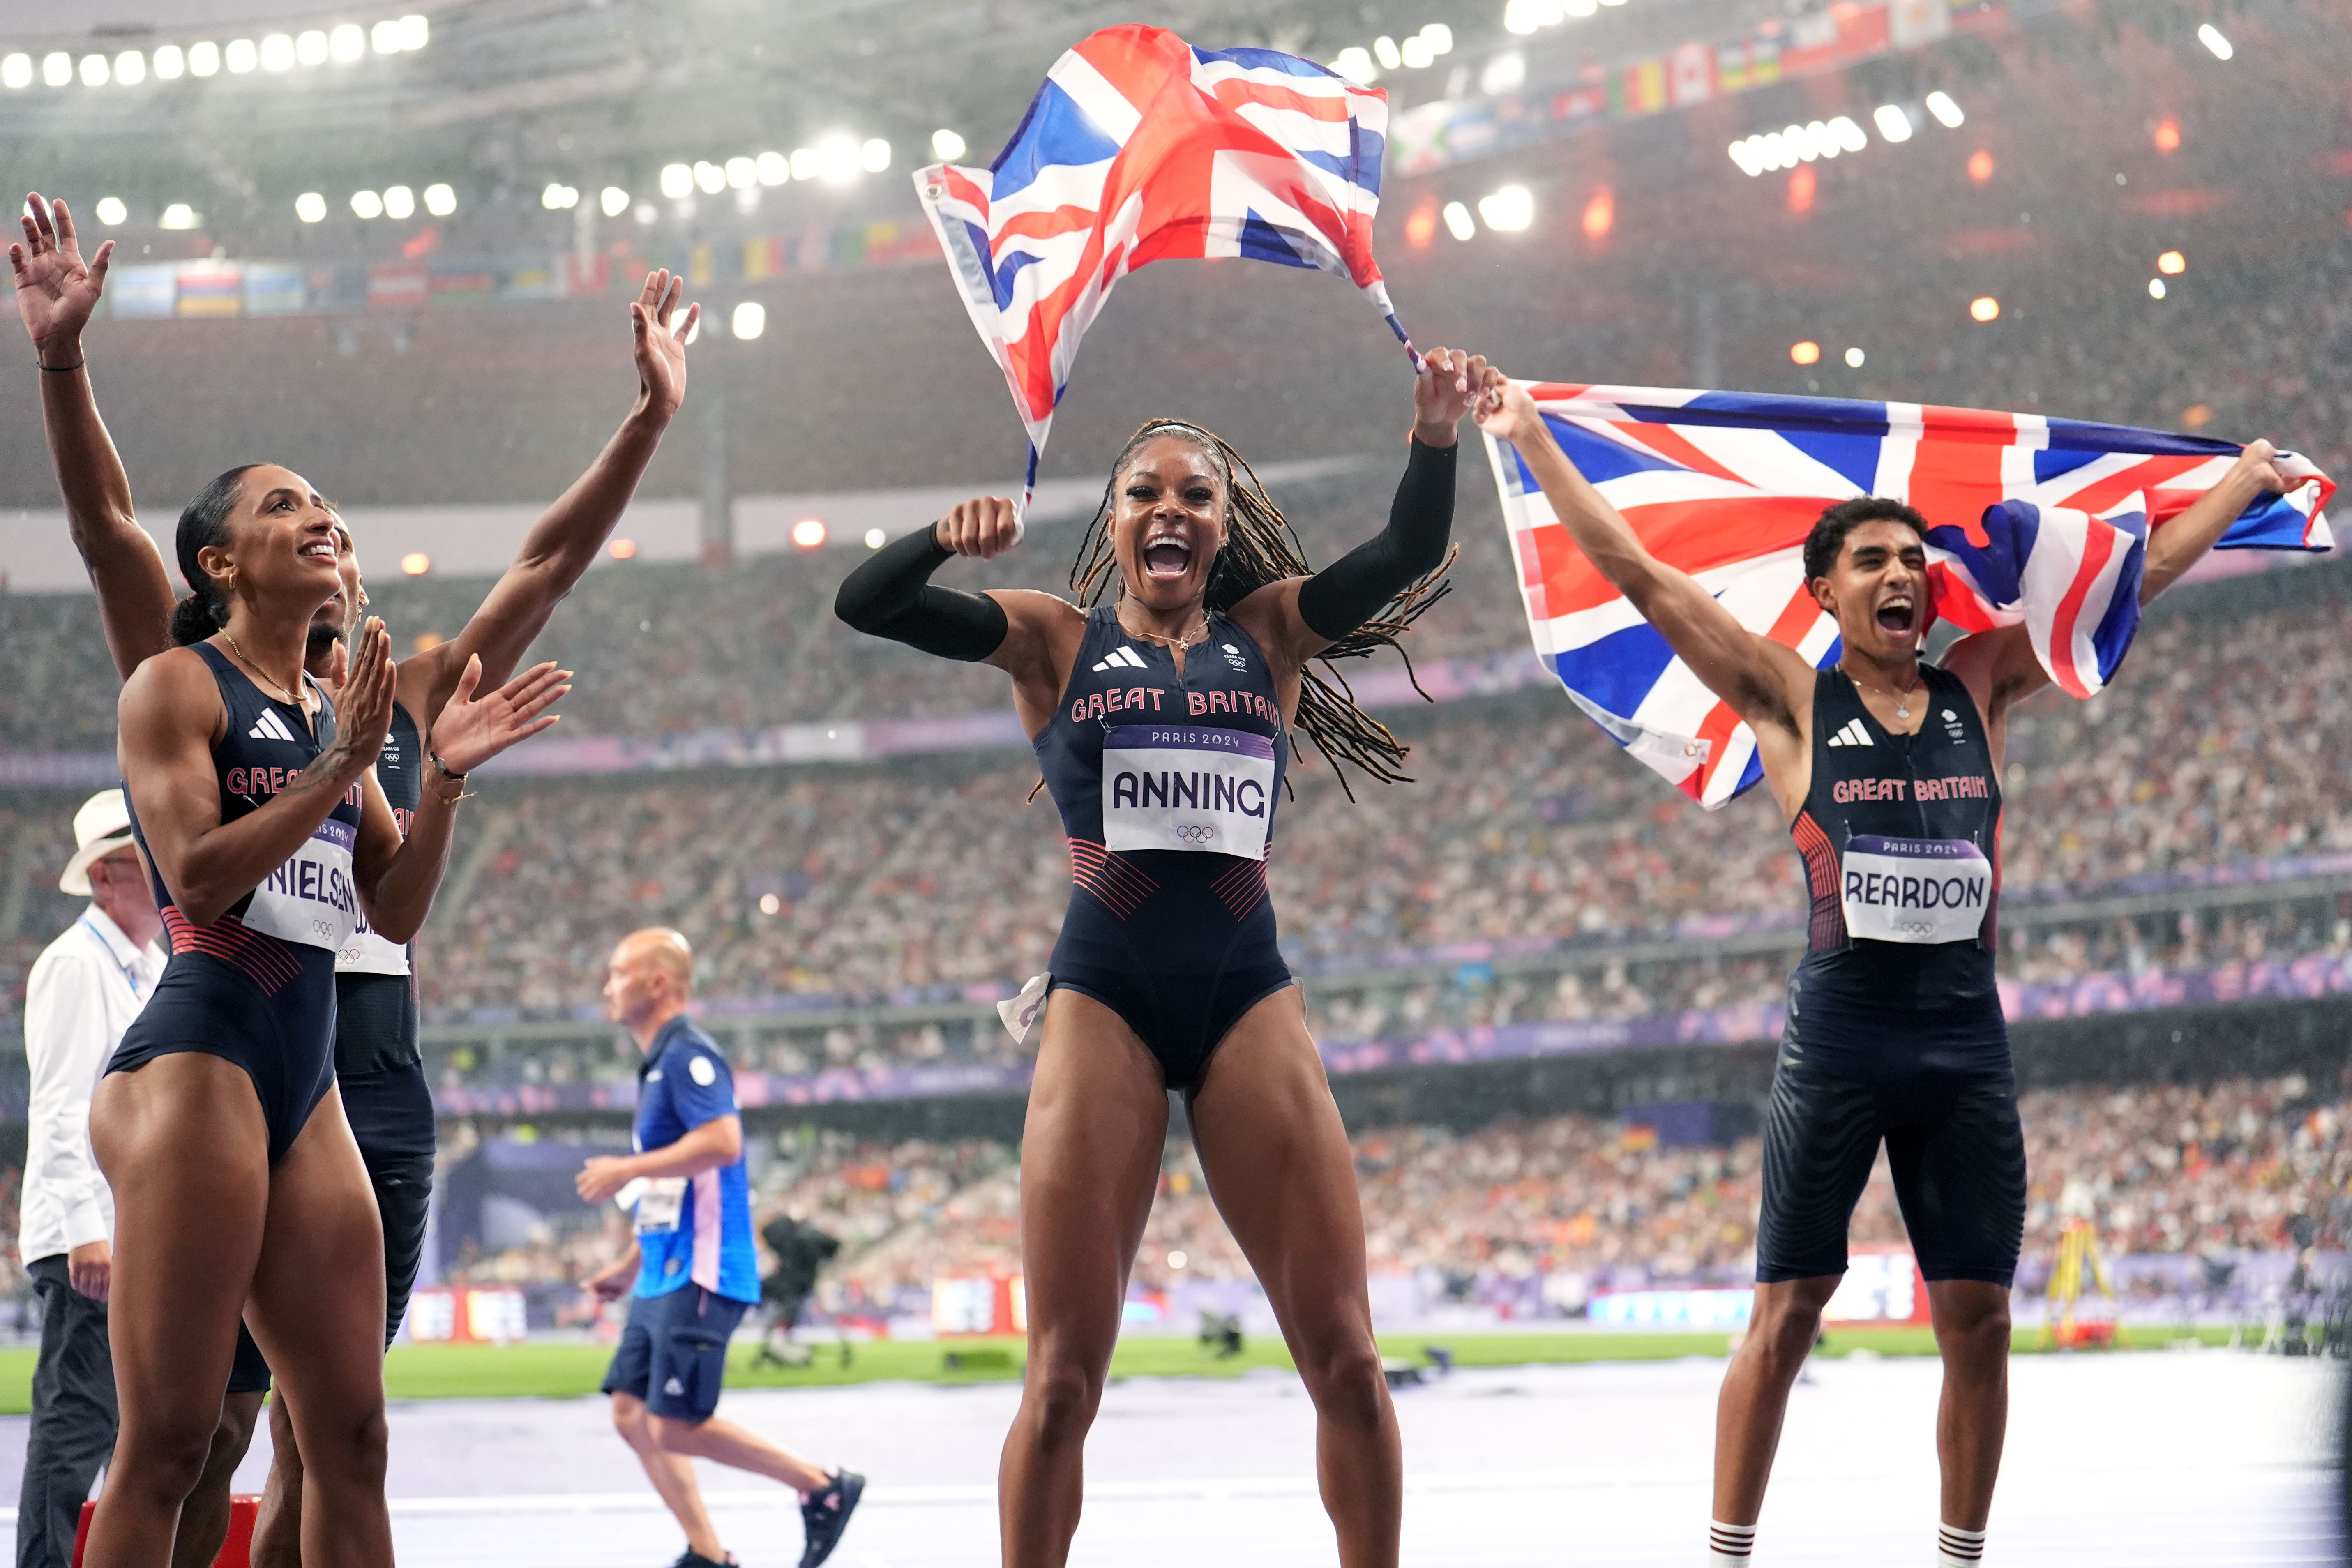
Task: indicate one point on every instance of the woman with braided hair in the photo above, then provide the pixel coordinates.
(1161, 721)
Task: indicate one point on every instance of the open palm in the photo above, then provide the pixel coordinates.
(56, 289)
(660, 345)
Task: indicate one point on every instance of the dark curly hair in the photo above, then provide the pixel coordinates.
(1828, 537)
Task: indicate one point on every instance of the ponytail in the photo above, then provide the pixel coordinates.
(204, 523)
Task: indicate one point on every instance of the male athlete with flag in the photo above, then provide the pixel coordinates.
(1887, 770)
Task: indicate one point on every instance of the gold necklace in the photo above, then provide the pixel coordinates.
(1180, 641)
(283, 695)
(1902, 698)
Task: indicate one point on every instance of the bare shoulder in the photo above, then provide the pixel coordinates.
(1784, 694)
(171, 695)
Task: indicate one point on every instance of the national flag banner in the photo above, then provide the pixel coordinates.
(2032, 520)
(1139, 148)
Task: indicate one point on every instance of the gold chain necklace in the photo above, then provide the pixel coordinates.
(1902, 698)
(283, 695)
(1179, 641)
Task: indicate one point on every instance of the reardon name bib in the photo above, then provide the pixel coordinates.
(1921, 890)
(1187, 787)
(310, 899)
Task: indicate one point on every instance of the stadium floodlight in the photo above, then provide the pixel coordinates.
(1947, 112)
(1355, 63)
(709, 176)
(94, 72)
(17, 72)
(947, 146)
(838, 159)
(277, 52)
(310, 47)
(1415, 53)
(1822, 140)
(57, 69)
(1509, 209)
(1805, 352)
(310, 207)
(1854, 358)
(809, 533)
(416, 563)
(2172, 264)
(1984, 308)
(775, 168)
(1580, 8)
(622, 550)
(1385, 50)
(130, 67)
(743, 174)
(874, 154)
(347, 43)
(399, 203)
(1891, 122)
(748, 321)
(110, 211)
(241, 56)
(677, 181)
(1850, 136)
(415, 32)
(1749, 153)
(171, 63)
(367, 205)
(1796, 147)
(1457, 221)
(876, 539)
(1519, 17)
(613, 200)
(770, 904)
(2213, 38)
(179, 214)
(203, 58)
(804, 163)
(1506, 72)
(1612, 2)
(559, 197)
(647, 213)
(1439, 37)
(440, 200)
(2156, 288)
(384, 37)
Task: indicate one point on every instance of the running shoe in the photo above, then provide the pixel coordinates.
(690, 1558)
(827, 1514)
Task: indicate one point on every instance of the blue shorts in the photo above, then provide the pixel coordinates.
(673, 1352)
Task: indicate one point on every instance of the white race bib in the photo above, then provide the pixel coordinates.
(368, 954)
(1915, 890)
(1187, 787)
(660, 1204)
(311, 900)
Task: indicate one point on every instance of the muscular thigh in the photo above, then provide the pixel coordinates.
(317, 1307)
(1822, 1132)
(1958, 1164)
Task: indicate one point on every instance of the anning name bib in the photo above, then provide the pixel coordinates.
(1915, 890)
(1192, 787)
(311, 900)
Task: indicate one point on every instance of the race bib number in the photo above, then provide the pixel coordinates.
(368, 954)
(660, 1204)
(310, 899)
(1915, 890)
(1187, 787)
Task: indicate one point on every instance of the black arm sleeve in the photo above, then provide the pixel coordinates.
(890, 596)
(1351, 590)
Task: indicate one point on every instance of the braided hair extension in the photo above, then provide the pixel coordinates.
(1262, 547)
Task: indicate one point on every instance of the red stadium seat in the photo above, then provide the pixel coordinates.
(234, 1552)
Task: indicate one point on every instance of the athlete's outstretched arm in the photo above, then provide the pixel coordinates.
(56, 292)
(1761, 680)
(562, 544)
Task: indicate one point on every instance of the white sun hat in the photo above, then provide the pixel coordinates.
(101, 826)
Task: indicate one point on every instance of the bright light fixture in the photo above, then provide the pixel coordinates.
(647, 213)
(1509, 209)
(677, 181)
(17, 72)
(749, 319)
(1749, 153)
(1457, 221)
(130, 67)
(1848, 135)
(1519, 17)
(622, 550)
(1439, 37)
(808, 533)
(94, 72)
(613, 200)
(2172, 264)
(1947, 112)
(440, 200)
(947, 146)
(743, 174)
(367, 205)
(203, 58)
(1579, 8)
(57, 69)
(310, 207)
(1355, 63)
(559, 197)
(171, 63)
(347, 42)
(1385, 50)
(1891, 122)
(1416, 53)
(179, 214)
(770, 904)
(775, 168)
(2156, 288)
(838, 159)
(1984, 308)
(415, 32)
(709, 176)
(241, 56)
(1506, 72)
(1805, 352)
(2213, 38)
(874, 154)
(1854, 358)
(310, 47)
(384, 36)
(416, 563)
(876, 539)
(110, 211)
(399, 202)
(277, 52)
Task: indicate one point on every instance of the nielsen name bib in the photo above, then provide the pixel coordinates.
(1915, 890)
(1191, 787)
(311, 900)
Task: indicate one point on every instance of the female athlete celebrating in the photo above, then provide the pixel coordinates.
(1163, 723)
(238, 1188)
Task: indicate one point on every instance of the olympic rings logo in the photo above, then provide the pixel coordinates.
(1915, 927)
(1195, 832)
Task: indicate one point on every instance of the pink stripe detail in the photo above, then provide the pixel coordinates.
(705, 1191)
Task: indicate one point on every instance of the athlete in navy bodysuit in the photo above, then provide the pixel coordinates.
(1163, 723)
(1888, 774)
(378, 1069)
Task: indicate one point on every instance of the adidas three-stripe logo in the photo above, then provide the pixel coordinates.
(1853, 734)
(1123, 658)
(270, 727)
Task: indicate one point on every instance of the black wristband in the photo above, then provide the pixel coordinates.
(65, 369)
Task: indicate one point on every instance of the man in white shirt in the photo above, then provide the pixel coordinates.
(84, 991)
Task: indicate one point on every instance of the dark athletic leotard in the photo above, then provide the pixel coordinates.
(256, 986)
(1166, 786)
(1894, 1026)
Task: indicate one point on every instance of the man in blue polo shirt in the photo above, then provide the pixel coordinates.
(694, 1270)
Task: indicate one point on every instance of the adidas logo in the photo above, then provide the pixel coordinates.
(270, 727)
(1853, 734)
(1125, 658)
(673, 1387)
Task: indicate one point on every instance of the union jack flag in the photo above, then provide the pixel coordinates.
(2033, 520)
(1138, 148)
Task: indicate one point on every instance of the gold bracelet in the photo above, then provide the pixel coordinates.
(447, 773)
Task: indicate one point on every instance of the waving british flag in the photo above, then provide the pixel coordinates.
(2033, 520)
(1138, 148)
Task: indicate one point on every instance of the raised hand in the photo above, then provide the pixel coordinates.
(364, 701)
(984, 526)
(1508, 413)
(1448, 383)
(660, 348)
(2260, 463)
(472, 731)
(56, 289)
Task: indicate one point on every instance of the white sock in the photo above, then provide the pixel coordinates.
(1730, 1544)
(1958, 1548)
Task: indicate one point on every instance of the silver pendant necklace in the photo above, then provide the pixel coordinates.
(1902, 698)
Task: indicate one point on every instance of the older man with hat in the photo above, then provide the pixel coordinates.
(84, 991)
